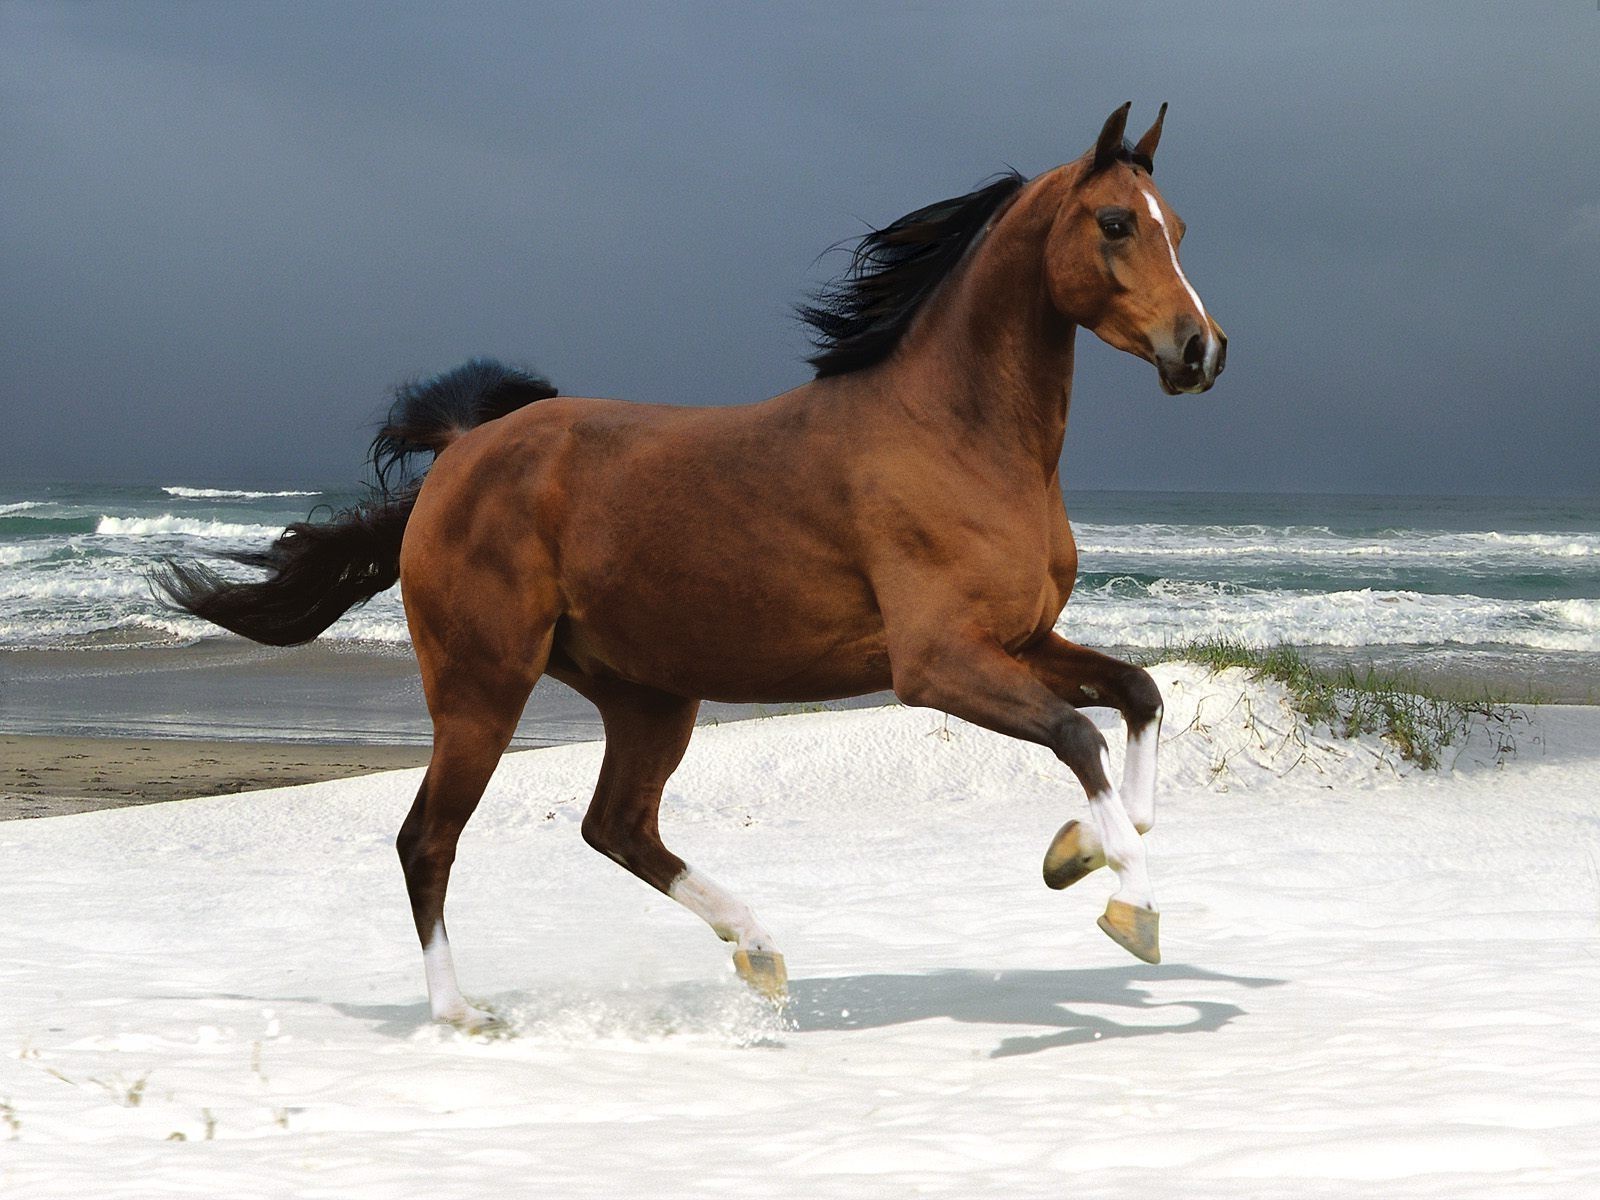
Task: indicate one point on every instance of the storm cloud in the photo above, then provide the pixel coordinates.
(226, 230)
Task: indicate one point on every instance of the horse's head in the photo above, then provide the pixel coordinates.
(1112, 258)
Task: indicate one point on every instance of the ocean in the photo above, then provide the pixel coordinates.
(1497, 586)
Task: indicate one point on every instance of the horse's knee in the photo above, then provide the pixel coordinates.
(1141, 698)
(1078, 744)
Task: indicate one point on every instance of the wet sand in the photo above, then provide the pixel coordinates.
(45, 776)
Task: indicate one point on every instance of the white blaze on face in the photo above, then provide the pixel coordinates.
(1172, 252)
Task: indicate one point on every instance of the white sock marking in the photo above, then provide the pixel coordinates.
(444, 994)
(1139, 775)
(727, 915)
(1124, 848)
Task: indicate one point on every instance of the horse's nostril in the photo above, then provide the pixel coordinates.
(1194, 351)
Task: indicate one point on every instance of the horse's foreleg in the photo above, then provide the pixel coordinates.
(647, 733)
(1088, 679)
(973, 678)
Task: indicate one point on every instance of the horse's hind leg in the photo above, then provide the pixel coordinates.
(647, 733)
(475, 705)
(1088, 679)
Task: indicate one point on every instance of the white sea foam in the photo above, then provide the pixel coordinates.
(19, 506)
(73, 586)
(1171, 612)
(189, 493)
(168, 525)
(1309, 541)
(102, 622)
(26, 552)
(46, 605)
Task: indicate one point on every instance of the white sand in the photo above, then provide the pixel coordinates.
(1378, 982)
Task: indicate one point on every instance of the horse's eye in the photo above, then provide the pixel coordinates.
(1116, 225)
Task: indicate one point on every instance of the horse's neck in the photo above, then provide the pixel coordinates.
(991, 353)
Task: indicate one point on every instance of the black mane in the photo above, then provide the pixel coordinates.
(858, 319)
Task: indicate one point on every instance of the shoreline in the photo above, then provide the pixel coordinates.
(88, 729)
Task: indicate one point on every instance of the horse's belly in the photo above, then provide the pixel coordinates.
(747, 635)
(705, 658)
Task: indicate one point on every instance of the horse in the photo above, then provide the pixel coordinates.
(896, 522)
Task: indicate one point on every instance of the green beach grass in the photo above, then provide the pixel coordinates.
(1417, 718)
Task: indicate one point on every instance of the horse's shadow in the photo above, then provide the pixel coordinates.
(1048, 1000)
(1032, 999)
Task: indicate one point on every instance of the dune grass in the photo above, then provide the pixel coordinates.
(1415, 718)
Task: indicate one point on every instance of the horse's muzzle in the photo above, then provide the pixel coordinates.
(1193, 360)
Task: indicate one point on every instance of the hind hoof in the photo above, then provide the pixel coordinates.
(476, 1021)
(1068, 859)
(764, 971)
(1136, 930)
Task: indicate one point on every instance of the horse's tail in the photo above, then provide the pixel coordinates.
(319, 570)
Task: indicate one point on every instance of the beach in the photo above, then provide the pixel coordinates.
(87, 728)
(352, 713)
(1376, 980)
(44, 776)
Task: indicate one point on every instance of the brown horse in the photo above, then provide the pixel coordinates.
(897, 522)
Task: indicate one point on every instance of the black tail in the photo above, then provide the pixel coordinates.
(319, 570)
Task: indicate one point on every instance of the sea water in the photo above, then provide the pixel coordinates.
(1466, 581)
(1155, 568)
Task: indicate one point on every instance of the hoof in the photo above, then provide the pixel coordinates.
(763, 970)
(1134, 929)
(1068, 859)
(476, 1021)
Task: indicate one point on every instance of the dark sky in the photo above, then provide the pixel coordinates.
(227, 229)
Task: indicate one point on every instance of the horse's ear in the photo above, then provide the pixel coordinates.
(1109, 147)
(1146, 149)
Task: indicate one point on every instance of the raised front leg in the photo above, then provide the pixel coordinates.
(972, 677)
(1089, 679)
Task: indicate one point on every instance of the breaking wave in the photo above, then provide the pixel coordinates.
(1126, 611)
(189, 493)
(1276, 544)
(168, 525)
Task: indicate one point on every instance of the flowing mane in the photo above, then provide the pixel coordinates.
(858, 319)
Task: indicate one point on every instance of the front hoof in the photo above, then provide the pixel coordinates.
(764, 971)
(1136, 930)
(1069, 859)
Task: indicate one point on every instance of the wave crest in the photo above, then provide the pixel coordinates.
(168, 525)
(1170, 612)
(190, 493)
